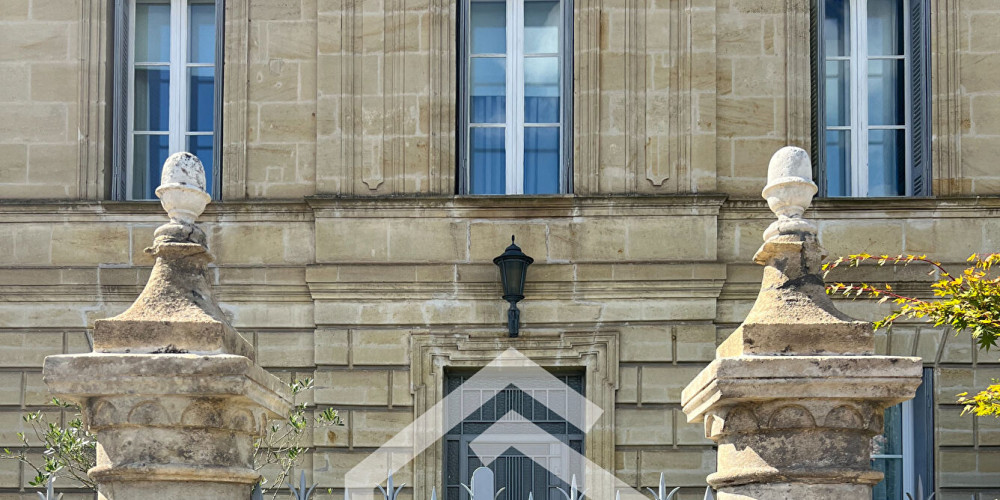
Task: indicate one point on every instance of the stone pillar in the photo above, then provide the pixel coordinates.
(796, 393)
(171, 389)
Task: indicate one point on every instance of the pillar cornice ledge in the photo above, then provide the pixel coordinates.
(82, 377)
(728, 382)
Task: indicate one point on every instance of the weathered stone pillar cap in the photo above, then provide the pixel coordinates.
(80, 376)
(729, 381)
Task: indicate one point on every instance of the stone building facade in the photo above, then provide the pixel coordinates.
(345, 253)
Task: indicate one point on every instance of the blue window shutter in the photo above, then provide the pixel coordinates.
(120, 97)
(923, 432)
(817, 92)
(920, 93)
(220, 45)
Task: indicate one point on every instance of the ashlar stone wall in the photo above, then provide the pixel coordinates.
(335, 289)
(329, 274)
(41, 83)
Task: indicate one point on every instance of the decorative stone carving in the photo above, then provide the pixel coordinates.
(171, 388)
(175, 313)
(795, 394)
(789, 191)
(182, 188)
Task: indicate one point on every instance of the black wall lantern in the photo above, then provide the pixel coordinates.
(513, 264)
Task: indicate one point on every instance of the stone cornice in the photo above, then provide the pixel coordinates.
(150, 211)
(48, 284)
(873, 208)
(127, 293)
(496, 207)
(515, 207)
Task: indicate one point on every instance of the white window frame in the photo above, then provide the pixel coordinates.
(858, 90)
(514, 125)
(907, 450)
(124, 92)
(917, 439)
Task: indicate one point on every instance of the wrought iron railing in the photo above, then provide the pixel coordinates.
(391, 491)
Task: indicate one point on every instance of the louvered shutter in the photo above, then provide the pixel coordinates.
(920, 95)
(220, 44)
(120, 97)
(817, 93)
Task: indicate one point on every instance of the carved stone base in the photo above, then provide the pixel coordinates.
(793, 491)
(803, 424)
(170, 425)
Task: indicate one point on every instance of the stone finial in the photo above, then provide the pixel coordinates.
(182, 194)
(793, 314)
(789, 191)
(796, 393)
(175, 313)
(171, 388)
(182, 188)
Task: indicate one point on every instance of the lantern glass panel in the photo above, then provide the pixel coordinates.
(514, 269)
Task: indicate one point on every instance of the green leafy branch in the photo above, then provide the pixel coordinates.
(985, 403)
(967, 302)
(69, 451)
(282, 445)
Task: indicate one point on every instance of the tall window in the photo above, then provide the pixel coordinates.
(872, 90)
(903, 452)
(166, 96)
(514, 109)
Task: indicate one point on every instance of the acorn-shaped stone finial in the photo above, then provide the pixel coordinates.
(182, 188)
(789, 191)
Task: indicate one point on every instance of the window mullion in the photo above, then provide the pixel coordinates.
(515, 91)
(176, 73)
(510, 121)
(519, 97)
(855, 98)
(909, 482)
(861, 78)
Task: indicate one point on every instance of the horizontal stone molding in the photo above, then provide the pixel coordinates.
(150, 211)
(816, 475)
(537, 291)
(173, 473)
(515, 207)
(127, 293)
(498, 207)
(549, 282)
(40, 285)
(900, 209)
